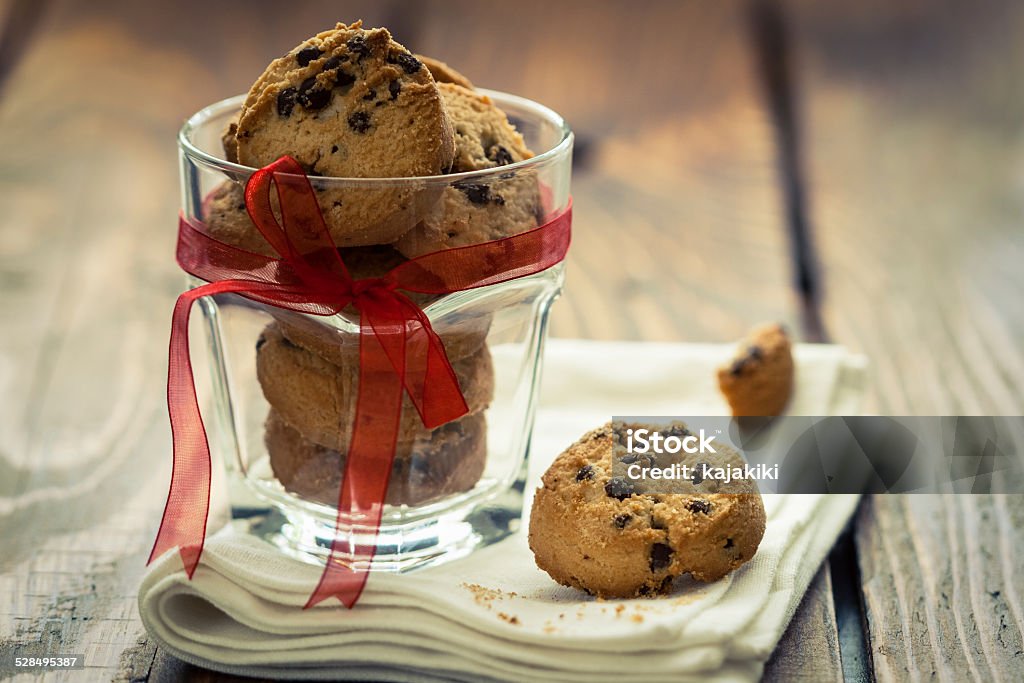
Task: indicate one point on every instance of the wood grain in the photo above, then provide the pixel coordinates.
(942, 586)
(18, 21)
(809, 649)
(913, 145)
(913, 123)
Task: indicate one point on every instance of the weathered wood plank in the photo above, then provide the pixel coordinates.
(809, 650)
(942, 586)
(913, 120)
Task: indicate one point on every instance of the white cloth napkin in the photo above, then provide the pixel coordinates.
(493, 616)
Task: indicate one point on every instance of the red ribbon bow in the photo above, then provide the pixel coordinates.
(395, 333)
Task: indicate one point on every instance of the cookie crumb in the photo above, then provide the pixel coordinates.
(481, 594)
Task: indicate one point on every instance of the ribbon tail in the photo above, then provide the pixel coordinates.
(183, 524)
(430, 378)
(367, 473)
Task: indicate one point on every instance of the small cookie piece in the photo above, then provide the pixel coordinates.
(478, 210)
(318, 397)
(759, 379)
(443, 73)
(591, 530)
(352, 103)
(448, 460)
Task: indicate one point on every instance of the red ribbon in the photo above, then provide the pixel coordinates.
(395, 333)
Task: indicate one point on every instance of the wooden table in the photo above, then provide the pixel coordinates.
(907, 148)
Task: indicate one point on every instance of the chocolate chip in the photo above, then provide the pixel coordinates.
(334, 149)
(394, 87)
(699, 505)
(260, 342)
(357, 44)
(621, 521)
(729, 543)
(334, 62)
(419, 465)
(475, 192)
(343, 78)
(359, 121)
(619, 488)
(307, 55)
(498, 199)
(286, 101)
(370, 96)
(586, 472)
(311, 96)
(628, 459)
(340, 76)
(661, 556)
(499, 155)
(677, 430)
(408, 63)
(698, 473)
(753, 353)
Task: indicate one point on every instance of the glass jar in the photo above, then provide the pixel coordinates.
(279, 393)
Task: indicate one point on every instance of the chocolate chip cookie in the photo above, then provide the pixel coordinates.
(478, 210)
(758, 380)
(352, 103)
(592, 530)
(317, 397)
(446, 461)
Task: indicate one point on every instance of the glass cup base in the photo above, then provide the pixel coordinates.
(489, 513)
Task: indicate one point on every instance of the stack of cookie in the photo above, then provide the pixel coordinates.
(353, 103)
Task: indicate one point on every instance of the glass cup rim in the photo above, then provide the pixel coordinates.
(212, 161)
